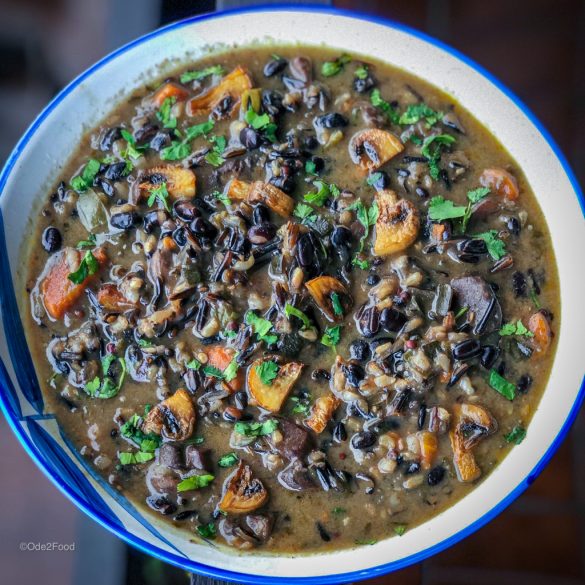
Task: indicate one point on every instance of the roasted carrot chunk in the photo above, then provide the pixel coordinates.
(501, 182)
(540, 327)
(220, 357)
(169, 90)
(322, 411)
(58, 292)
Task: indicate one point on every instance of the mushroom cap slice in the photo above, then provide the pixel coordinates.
(173, 418)
(180, 182)
(272, 396)
(322, 411)
(271, 196)
(322, 289)
(372, 148)
(242, 492)
(397, 225)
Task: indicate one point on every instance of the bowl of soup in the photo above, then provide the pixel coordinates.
(280, 286)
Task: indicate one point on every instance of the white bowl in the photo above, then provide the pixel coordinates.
(45, 148)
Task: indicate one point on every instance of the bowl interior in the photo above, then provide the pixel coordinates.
(53, 137)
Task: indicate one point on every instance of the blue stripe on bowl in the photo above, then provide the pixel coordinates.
(201, 568)
(14, 332)
(8, 392)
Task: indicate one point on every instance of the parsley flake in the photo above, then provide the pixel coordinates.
(267, 372)
(87, 267)
(189, 76)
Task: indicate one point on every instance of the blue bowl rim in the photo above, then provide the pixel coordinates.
(233, 576)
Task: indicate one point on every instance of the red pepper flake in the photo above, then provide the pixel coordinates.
(342, 456)
(410, 344)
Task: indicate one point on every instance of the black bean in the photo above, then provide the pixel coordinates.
(379, 180)
(260, 215)
(115, 171)
(333, 120)
(373, 279)
(489, 354)
(318, 162)
(364, 440)
(392, 320)
(124, 221)
(311, 142)
(290, 344)
(109, 138)
(359, 350)
(184, 515)
(467, 349)
(261, 234)
(339, 433)
(180, 237)
(105, 186)
(145, 133)
(241, 400)
(501, 368)
(369, 321)
(421, 192)
(395, 362)
(305, 250)
(201, 227)
(274, 66)
(320, 374)
(519, 284)
(160, 141)
(284, 182)
(354, 374)
(51, 239)
(513, 225)
(524, 349)
(341, 237)
(468, 258)
(363, 85)
(250, 138)
(524, 383)
(436, 475)
(323, 533)
(185, 210)
(472, 246)
(272, 102)
(422, 415)
(457, 374)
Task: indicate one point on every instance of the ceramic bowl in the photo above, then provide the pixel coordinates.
(52, 138)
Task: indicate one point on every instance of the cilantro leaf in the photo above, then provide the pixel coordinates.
(370, 541)
(310, 167)
(441, 209)
(399, 529)
(195, 482)
(85, 180)
(87, 267)
(228, 460)
(516, 435)
(189, 76)
(159, 193)
(496, 247)
(231, 370)
(303, 211)
(501, 385)
(261, 327)
(360, 263)
(89, 243)
(361, 72)
(107, 387)
(267, 372)
(377, 101)
(180, 149)
(517, 328)
(165, 115)
(478, 194)
(194, 364)
(336, 304)
(291, 311)
(367, 217)
(214, 156)
(431, 149)
(213, 372)
(127, 458)
(207, 531)
(331, 68)
(256, 429)
(324, 191)
(416, 112)
(332, 336)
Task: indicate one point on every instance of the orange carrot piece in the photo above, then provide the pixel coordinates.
(220, 357)
(169, 90)
(500, 182)
(540, 327)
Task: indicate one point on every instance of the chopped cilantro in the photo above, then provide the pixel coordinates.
(261, 122)
(516, 435)
(256, 429)
(85, 180)
(370, 541)
(332, 336)
(131, 430)
(310, 167)
(214, 156)
(331, 68)
(89, 243)
(207, 531)
(416, 112)
(366, 216)
(496, 247)
(189, 76)
(304, 211)
(373, 178)
(291, 311)
(267, 372)
(431, 149)
(107, 387)
(261, 327)
(222, 198)
(501, 385)
(132, 151)
(159, 193)
(324, 191)
(127, 458)
(213, 372)
(360, 263)
(336, 304)
(399, 529)
(87, 267)
(194, 364)
(517, 328)
(477, 194)
(195, 482)
(165, 115)
(228, 460)
(180, 149)
(441, 209)
(302, 405)
(361, 72)
(388, 109)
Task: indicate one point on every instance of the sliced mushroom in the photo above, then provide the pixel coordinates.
(397, 225)
(237, 190)
(242, 492)
(331, 296)
(169, 90)
(372, 148)
(500, 182)
(272, 396)
(173, 418)
(180, 182)
(271, 196)
(472, 423)
(153, 325)
(232, 86)
(322, 412)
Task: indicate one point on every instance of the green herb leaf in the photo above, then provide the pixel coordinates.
(267, 372)
(195, 482)
(256, 429)
(165, 115)
(131, 430)
(361, 72)
(478, 194)
(159, 193)
(370, 542)
(214, 158)
(496, 247)
(399, 529)
(534, 299)
(373, 178)
(127, 458)
(501, 385)
(310, 168)
(85, 180)
(416, 112)
(87, 267)
(331, 68)
(303, 211)
(302, 405)
(207, 531)
(261, 327)
(324, 191)
(360, 263)
(213, 372)
(367, 217)
(336, 303)
(332, 336)
(516, 435)
(180, 149)
(431, 149)
(441, 209)
(291, 311)
(108, 387)
(517, 328)
(389, 110)
(228, 460)
(339, 511)
(194, 364)
(89, 243)
(231, 370)
(189, 76)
